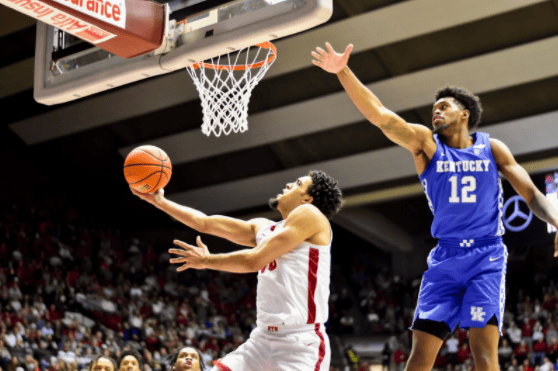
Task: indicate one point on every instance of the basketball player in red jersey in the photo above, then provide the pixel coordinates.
(292, 258)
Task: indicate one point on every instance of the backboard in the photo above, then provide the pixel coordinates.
(195, 30)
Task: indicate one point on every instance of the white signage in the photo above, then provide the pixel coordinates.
(59, 19)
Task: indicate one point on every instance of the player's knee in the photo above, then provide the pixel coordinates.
(484, 358)
(419, 360)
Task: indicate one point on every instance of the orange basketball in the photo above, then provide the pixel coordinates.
(147, 169)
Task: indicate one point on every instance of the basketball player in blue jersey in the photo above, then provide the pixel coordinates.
(465, 280)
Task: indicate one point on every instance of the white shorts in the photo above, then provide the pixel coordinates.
(277, 348)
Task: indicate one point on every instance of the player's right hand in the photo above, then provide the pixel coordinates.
(331, 61)
(151, 198)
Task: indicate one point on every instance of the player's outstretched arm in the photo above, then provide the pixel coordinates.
(301, 224)
(524, 186)
(235, 230)
(410, 136)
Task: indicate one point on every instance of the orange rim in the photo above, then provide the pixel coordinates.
(264, 45)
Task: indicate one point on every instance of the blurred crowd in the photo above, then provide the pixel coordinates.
(70, 289)
(386, 306)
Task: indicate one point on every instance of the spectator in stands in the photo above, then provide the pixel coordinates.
(539, 351)
(505, 352)
(552, 350)
(527, 366)
(464, 353)
(130, 360)
(537, 331)
(364, 366)
(452, 347)
(514, 334)
(467, 365)
(352, 358)
(400, 358)
(527, 330)
(84, 359)
(185, 358)
(5, 355)
(514, 365)
(551, 332)
(521, 351)
(13, 365)
(546, 365)
(66, 355)
(42, 353)
(347, 322)
(103, 363)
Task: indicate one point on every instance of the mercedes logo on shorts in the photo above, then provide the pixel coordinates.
(520, 218)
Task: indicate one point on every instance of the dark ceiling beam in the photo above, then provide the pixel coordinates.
(362, 169)
(17, 46)
(16, 77)
(480, 74)
(375, 229)
(146, 97)
(351, 7)
(12, 21)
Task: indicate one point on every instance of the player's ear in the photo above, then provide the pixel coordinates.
(465, 113)
(308, 200)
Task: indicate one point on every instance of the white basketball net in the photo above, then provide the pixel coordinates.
(225, 90)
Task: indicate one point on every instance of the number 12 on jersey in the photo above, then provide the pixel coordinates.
(468, 185)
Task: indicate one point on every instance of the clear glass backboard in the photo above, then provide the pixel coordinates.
(67, 68)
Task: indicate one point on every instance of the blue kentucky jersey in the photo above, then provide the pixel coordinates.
(464, 190)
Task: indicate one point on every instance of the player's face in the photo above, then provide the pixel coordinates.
(294, 193)
(445, 114)
(129, 363)
(188, 359)
(103, 364)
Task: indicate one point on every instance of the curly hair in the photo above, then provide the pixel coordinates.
(465, 100)
(133, 353)
(325, 193)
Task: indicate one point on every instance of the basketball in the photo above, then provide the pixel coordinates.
(147, 169)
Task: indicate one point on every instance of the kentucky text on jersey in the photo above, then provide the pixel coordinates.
(462, 166)
(464, 190)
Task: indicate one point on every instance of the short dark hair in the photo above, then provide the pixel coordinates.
(327, 196)
(173, 357)
(98, 357)
(131, 352)
(466, 100)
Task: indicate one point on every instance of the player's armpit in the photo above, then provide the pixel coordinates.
(522, 183)
(302, 223)
(515, 173)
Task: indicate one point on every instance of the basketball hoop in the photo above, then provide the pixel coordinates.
(225, 89)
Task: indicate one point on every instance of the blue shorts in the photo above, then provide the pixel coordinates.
(465, 283)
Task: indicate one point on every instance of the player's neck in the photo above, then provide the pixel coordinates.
(459, 139)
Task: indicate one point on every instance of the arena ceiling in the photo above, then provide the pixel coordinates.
(300, 117)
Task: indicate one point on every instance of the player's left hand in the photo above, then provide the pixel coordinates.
(556, 245)
(191, 256)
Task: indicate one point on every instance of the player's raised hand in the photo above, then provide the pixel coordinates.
(191, 256)
(151, 198)
(331, 61)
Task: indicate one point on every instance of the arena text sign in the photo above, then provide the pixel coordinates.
(59, 19)
(112, 12)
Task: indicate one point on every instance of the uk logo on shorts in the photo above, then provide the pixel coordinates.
(477, 314)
